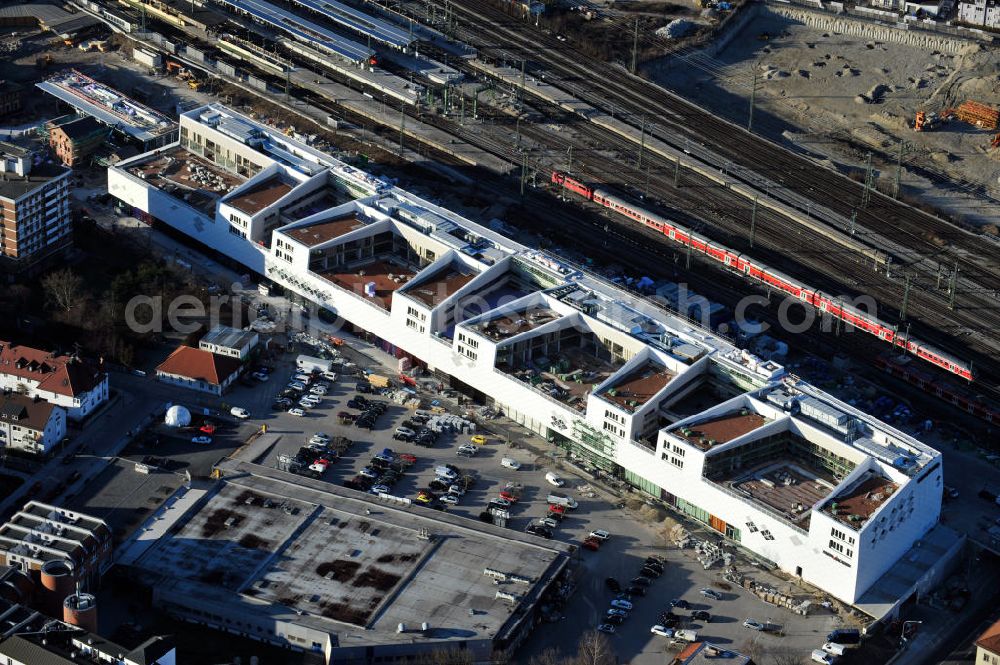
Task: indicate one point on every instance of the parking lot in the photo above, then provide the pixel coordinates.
(620, 557)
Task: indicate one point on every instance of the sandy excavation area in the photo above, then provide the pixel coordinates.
(837, 96)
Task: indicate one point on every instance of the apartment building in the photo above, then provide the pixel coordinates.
(816, 487)
(34, 198)
(73, 139)
(11, 97)
(58, 549)
(61, 379)
(30, 425)
(979, 13)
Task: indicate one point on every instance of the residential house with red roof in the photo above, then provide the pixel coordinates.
(76, 385)
(30, 424)
(988, 646)
(198, 369)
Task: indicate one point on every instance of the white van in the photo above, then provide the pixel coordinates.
(510, 463)
(239, 412)
(562, 500)
(820, 656)
(445, 472)
(834, 648)
(686, 635)
(553, 479)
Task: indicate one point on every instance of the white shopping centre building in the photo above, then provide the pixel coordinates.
(822, 490)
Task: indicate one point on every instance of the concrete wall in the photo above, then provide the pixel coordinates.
(857, 27)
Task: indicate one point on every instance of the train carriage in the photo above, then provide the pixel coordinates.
(764, 274)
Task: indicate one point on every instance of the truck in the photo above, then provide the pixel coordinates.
(844, 636)
(557, 499)
(311, 364)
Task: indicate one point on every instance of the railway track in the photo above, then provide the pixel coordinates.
(976, 314)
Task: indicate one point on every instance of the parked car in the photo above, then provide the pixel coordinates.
(701, 615)
(681, 603)
(261, 376)
(539, 530)
(380, 489)
(600, 534)
(296, 385)
(296, 412)
(616, 612)
(450, 499)
(510, 463)
(636, 590)
(614, 620)
(318, 390)
(204, 440)
(606, 628)
(650, 572)
(554, 479)
(548, 522)
(478, 439)
(239, 412)
(710, 593)
(753, 624)
(662, 631)
(621, 604)
(500, 501)
(591, 544)
(644, 582)
(612, 584)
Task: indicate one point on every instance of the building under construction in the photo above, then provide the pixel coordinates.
(138, 123)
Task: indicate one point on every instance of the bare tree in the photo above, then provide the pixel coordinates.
(549, 656)
(447, 657)
(782, 656)
(594, 649)
(63, 288)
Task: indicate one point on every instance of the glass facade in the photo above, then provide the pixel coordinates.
(641, 483)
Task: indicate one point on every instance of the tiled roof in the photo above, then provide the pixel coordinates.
(199, 365)
(27, 412)
(21, 650)
(990, 640)
(59, 374)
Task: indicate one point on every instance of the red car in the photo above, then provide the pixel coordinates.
(553, 508)
(592, 544)
(207, 428)
(409, 459)
(509, 496)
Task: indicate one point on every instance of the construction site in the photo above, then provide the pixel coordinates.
(837, 97)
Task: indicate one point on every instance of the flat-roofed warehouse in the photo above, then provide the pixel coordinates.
(304, 564)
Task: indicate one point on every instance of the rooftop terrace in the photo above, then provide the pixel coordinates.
(721, 429)
(321, 232)
(568, 377)
(855, 505)
(261, 195)
(515, 323)
(375, 281)
(633, 390)
(197, 181)
(787, 487)
(434, 290)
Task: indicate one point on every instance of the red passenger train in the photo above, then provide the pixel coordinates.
(756, 271)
